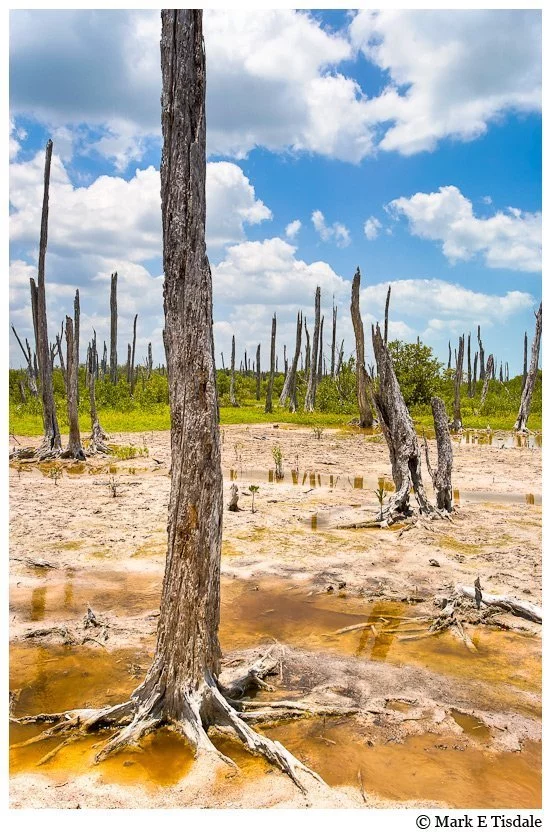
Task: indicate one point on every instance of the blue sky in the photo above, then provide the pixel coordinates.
(408, 143)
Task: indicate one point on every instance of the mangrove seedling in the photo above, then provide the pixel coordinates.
(55, 472)
(254, 490)
(380, 493)
(278, 459)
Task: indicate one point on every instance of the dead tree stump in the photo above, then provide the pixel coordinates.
(442, 477)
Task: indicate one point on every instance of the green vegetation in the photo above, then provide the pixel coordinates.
(419, 373)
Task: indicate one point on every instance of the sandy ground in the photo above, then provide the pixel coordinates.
(289, 574)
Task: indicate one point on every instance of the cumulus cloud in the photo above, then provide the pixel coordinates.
(506, 240)
(372, 227)
(337, 232)
(292, 229)
(451, 72)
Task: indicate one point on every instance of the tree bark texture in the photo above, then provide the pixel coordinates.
(270, 388)
(457, 423)
(481, 356)
(28, 358)
(113, 367)
(470, 390)
(387, 304)
(525, 362)
(258, 377)
(320, 352)
(334, 341)
(366, 413)
(233, 400)
(531, 378)
(133, 364)
(308, 350)
(488, 372)
(289, 386)
(442, 477)
(310, 399)
(74, 447)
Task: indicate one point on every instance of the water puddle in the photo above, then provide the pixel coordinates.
(498, 440)
(471, 725)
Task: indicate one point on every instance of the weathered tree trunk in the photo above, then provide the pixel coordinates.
(113, 367)
(366, 413)
(320, 352)
(470, 391)
(269, 389)
(442, 477)
(449, 355)
(104, 361)
(289, 386)
(501, 372)
(61, 358)
(149, 360)
(341, 356)
(531, 378)
(525, 363)
(475, 369)
(128, 362)
(481, 356)
(258, 378)
(398, 430)
(457, 423)
(74, 447)
(487, 376)
(308, 351)
(233, 400)
(76, 335)
(28, 358)
(310, 399)
(334, 341)
(22, 391)
(51, 445)
(387, 304)
(132, 371)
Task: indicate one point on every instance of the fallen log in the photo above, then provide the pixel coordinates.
(524, 609)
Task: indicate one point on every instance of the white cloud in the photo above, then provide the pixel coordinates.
(372, 227)
(451, 72)
(337, 232)
(509, 240)
(292, 229)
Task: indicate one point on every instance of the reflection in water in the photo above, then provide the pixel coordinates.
(530, 499)
(38, 603)
(294, 475)
(314, 521)
(456, 497)
(358, 482)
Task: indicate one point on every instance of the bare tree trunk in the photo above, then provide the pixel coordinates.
(149, 360)
(457, 423)
(289, 386)
(258, 373)
(487, 376)
(341, 356)
(525, 364)
(310, 399)
(128, 362)
(61, 359)
(398, 430)
(74, 447)
(98, 435)
(442, 478)
(449, 355)
(470, 391)
(113, 367)
(366, 413)
(320, 352)
(308, 351)
(475, 369)
(104, 361)
(387, 304)
(269, 390)
(28, 358)
(531, 378)
(233, 400)
(334, 341)
(481, 356)
(132, 372)
(51, 445)
(501, 372)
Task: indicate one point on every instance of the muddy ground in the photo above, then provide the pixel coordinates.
(436, 723)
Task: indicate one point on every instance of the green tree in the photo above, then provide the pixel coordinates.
(417, 370)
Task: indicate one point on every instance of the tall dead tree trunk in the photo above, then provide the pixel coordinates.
(104, 361)
(475, 369)
(132, 370)
(128, 362)
(320, 352)
(149, 360)
(525, 363)
(51, 445)
(98, 436)
(310, 399)
(289, 386)
(528, 389)
(308, 354)
(269, 389)
(334, 341)
(481, 356)
(398, 430)
(28, 358)
(113, 367)
(76, 335)
(470, 391)
(366, 413)
(74, 447)
(442, 477)
(457, 423)
(233, 400)
(387, 304)
(449, 355)
(59, 338)
(258, 378)
(501, 372)
(488, 373)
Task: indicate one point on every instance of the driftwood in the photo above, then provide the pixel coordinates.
(400, 436)
(524, 609)
(310, 399)
(530, 383)
(366, 413)
(269, 390)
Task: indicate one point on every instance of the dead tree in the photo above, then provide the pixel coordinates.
(104, 361)
(334, 341)
(51, 444)
(481, 356)
(59, 338)
(128, 362)
(233, 400)
(310, 399)
(525, 363)
(400, 436)
(308, 351)
(449, 355)
(270, 387)
(76, 335)
(470, 389)
(289, 386)
(258, 373)
(28, 358)
(366, 413)
(113, 368)
(74, 447)
(132, 371)
(442, 477)
(488, 373)
(387, 304)
(475, 369)
(528, 389)
(340, 358)
(149, 360)
(501, 372)
(457, 423)
(320, 352)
